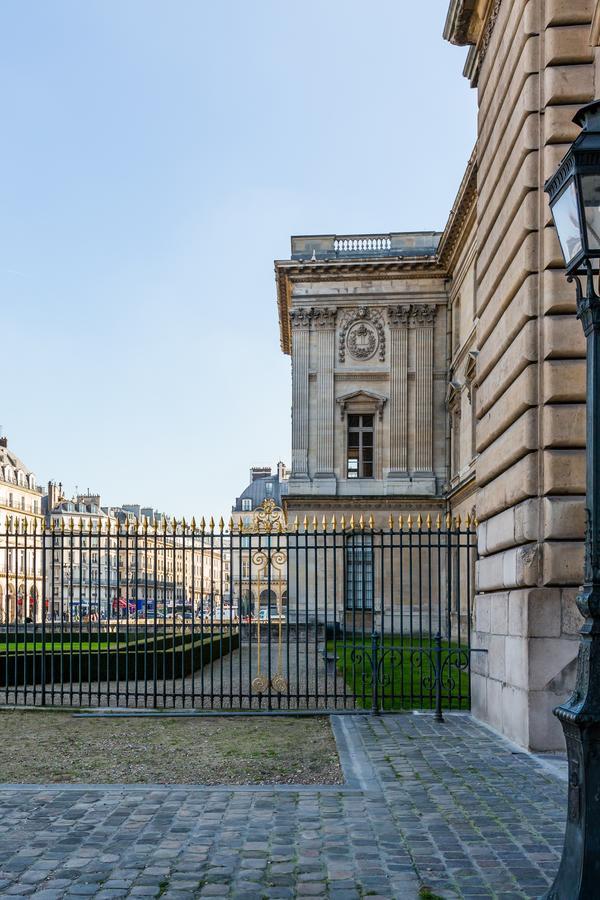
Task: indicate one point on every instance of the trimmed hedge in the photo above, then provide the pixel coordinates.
(175, 656)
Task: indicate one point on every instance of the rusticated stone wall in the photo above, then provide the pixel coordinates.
(533, 68)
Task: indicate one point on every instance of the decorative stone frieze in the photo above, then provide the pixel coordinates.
(362, 336)
(398, 315)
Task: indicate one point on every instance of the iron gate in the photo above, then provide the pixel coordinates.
(261, 615)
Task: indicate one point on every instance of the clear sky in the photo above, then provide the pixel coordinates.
(156, 157)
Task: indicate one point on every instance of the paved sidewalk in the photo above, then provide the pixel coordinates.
(448, 807)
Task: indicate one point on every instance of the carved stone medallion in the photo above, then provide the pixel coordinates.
(362, 340)
(362, 335)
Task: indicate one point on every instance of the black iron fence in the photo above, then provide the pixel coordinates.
(260, 615)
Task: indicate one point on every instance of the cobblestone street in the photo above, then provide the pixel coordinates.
(446, 808)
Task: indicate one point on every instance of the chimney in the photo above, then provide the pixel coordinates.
(282, 472)
(3, 442)
(259, 472)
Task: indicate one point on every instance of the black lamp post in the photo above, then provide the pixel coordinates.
(575, 203)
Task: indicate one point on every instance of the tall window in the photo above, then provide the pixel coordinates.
(360, 446)
(359, 573)
(246, 503)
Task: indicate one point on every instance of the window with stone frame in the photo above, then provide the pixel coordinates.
(359, 581)
(360, 446)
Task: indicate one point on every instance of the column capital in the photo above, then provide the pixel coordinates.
(398, 315)
(422, 315)
(324, 317)
(300, 318)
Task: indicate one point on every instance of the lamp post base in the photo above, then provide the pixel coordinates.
(578, 877)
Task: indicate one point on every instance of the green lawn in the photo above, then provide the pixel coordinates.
(406, 675)
(93, 647)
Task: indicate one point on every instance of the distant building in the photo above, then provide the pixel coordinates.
(21, 584)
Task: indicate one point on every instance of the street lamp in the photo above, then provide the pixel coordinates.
(574, 192)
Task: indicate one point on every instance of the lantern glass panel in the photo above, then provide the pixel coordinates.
(566, 219)
(590, 190)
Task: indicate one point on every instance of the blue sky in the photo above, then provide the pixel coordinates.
(156, 158)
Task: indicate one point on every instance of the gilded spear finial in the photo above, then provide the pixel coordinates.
(361, 522)
(409, 522)
(438, 522)
(352, 521)
(448, 521)
(400, 521)
(202, 524)
(193, 523)
(419, 521)
(371, 522)
(211, 524)
(221, 524)
(231, 525)
(343, 522)
(428, 521)
(315, 524)
(305, 523)
(333, 523)
(296, 524)
(391, 522)
(324, 524)
(458, 521)
(468, 521)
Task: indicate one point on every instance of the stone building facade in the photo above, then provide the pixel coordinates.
(499, 345)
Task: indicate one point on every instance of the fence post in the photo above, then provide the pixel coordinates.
(437, 672)
(374, 673)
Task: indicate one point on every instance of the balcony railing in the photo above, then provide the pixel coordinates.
(365, 246)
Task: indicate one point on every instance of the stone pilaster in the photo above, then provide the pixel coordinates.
(300, 322)
(398, 322)
(422, 318)
(324, 324)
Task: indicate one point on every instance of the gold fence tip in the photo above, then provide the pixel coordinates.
(400, 522)
(280, 528)
(409, 522)
(231, 523)
(419, 521)
(183, 525)
(371, 522)
(352, 521)
(25, 526)
(343, 522)
(211, 523)
(428, 521)
(458, 521)
(71, 524)
(333, 522)
(391, 522)
(315, 524)
(221, 523)
(438, 522)
(202, 524)
(324, 524)
(475, 521)
(296, 524)
(361, 521)
(146, 524)
(305, 523)
(468, 520)
(448, 521)
(193, 523)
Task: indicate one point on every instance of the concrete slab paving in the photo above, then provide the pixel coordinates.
(448, 808)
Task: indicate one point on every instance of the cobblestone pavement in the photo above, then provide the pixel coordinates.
(449, 807)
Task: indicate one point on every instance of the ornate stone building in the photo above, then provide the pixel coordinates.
(364, 319)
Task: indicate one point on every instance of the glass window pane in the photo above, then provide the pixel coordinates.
(368, 454)
(367, 439)
(567, 222)
(353, 438)
(353, 421)
(590, 188)
(368, 470)
(367, 421)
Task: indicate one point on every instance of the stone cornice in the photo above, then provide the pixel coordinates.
(461, 217)
(471, 22)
